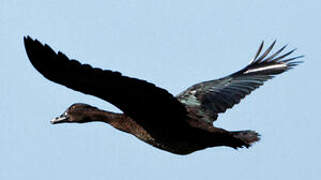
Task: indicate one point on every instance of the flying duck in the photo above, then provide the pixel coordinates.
(179, 124)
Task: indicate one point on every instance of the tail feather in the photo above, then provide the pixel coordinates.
(247, 137)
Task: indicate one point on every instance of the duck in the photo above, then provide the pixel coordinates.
(180, 124)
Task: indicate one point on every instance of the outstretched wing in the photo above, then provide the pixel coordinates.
(210, 98)
(150, 106)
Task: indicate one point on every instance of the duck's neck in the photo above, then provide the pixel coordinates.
(117, 120)
(121, 122)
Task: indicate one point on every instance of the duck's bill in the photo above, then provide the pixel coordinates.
(61, 119)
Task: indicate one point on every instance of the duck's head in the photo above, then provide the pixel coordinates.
(76, 113)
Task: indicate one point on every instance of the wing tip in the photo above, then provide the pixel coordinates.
(27, 40)
(273, 64)
(31, 43)
(272, 58)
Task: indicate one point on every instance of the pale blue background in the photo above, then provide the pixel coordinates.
(173, 44)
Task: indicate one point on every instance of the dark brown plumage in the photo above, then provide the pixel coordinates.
(181, 124)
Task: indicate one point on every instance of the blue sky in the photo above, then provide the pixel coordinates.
(173, 44)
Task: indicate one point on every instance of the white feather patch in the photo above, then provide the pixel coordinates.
(275, 66)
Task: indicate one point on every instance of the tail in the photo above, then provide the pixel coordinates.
(245, 138)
